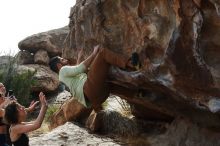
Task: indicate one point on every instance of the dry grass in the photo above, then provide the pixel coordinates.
(117, 104)
(45, 125)
(42, 130)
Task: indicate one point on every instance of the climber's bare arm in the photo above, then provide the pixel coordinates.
(91, 57)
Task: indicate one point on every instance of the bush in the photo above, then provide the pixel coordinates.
(50, 111)
(125, 107)
(21, 84)
(7, 71)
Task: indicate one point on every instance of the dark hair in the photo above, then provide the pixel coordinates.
(11, 113)
(53, 63)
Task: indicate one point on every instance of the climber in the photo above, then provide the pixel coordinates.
(89, 88)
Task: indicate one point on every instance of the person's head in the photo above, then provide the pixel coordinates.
(15, 113)
(2, 89)
(57, 62)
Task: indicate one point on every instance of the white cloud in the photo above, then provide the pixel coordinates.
(22, 18)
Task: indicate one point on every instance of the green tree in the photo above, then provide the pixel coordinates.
(21, 84)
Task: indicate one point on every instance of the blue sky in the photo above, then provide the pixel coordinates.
(22, 18)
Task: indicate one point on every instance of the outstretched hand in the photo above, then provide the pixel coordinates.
(42, 98)
(32, 106)
(96, 49)
(91, 57)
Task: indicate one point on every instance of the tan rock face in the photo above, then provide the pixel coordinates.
(177, 42)
(71, 110)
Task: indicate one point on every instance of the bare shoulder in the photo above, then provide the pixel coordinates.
(17, 128)
(14, 132)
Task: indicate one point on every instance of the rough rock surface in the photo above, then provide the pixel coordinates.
(47, 80)
(70, 135)
(41, 57)
(24, 57)
(71, 110)
(62, 97)
(131, 132)
(177, 43)
(183, 132)
(50, 41)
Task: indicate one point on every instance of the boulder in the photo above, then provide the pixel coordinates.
(94, 122)
(179, 132)
(70, 134)
(62, 97)
(71, 110)
(41, 57)
(191, 133)
(46, 80)
(24, 57)
(177, 44)
(50, 41)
